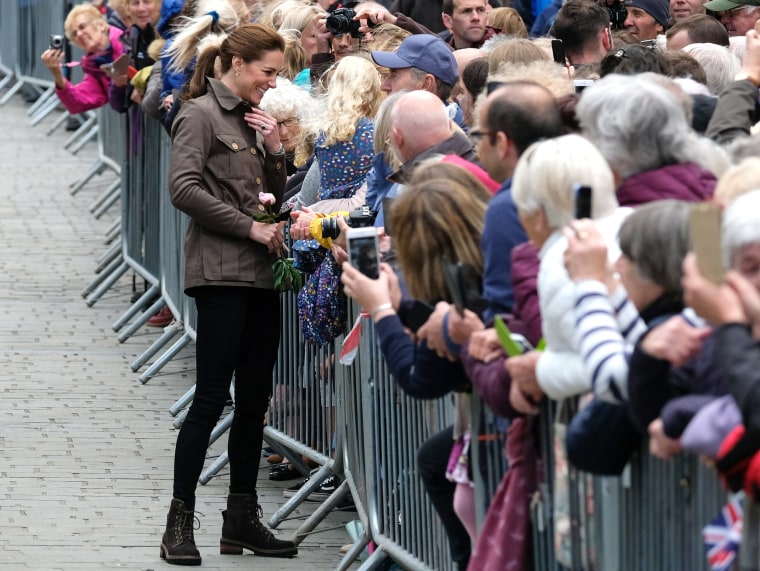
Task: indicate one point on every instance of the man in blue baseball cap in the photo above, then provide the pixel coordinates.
(422, 61)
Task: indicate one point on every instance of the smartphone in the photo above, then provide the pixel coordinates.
(582, 198)
(363, 252)
(580, 84)
(118, 67)
(387, 205)
(417, 315)
(465, 287)
(558, 51)
(705, 234)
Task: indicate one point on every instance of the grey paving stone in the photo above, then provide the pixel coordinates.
(86, 451)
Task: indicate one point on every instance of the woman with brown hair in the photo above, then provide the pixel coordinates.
(227, 163)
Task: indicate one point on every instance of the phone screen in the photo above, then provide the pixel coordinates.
(363, 254)
(705, 234)
(582, 201)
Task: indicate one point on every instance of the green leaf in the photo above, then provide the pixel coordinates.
(505, 337)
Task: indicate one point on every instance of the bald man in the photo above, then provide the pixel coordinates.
(420, 128)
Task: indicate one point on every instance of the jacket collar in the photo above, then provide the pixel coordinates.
(457, 144)
(225, 97)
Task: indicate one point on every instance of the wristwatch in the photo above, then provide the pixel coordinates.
(743, 75)
(279, 151)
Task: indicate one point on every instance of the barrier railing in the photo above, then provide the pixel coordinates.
(353, 421)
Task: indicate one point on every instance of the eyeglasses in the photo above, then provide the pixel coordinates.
(289, 122)
(476, 136)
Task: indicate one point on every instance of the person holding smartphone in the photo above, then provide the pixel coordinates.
(86, 28)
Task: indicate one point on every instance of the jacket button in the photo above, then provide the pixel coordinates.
(253, 150)
(234, 146)
(258, 180)
(278, 166)
(261, 207)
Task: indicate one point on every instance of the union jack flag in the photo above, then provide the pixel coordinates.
(723, 535)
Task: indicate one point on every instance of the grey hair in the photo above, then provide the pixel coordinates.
(382, 133)
(547, 171)
(656, 240)
(719, 63)
(638, 126)
(741, 225)
(289, 100)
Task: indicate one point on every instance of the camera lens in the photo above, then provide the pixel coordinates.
(330, 228)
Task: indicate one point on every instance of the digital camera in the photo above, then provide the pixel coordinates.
(341, 21)
(361, 217)
(618, 14)
(56, 42)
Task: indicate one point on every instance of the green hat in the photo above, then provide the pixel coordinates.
(723, 5)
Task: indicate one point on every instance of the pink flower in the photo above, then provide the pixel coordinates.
(267, 199)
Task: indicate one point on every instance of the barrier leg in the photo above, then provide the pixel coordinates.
(300, 496)
(180, 419)
(114, 231)
(58, 122)
(112, 253)
(353, 553)
(95, 169)
(114, 193)
(321, 512)
(83, 128)
(7, 79)
(51, 106)
(107, 284)
(149, 294)
(182, 403)
(221, 428)
(93, 132)
(214, 469)
(377, 557)
(165, 358)
(102, 276)
(169, 332)
(42, 101)
(11, 92)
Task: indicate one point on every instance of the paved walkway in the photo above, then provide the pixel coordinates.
(86, 451)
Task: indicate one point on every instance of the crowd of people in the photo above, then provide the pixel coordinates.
(469, 130)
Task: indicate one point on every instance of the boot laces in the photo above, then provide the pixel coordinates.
(257, 514)
(183, 531)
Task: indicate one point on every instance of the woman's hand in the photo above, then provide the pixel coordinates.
(432, 331)
(586, 253)
(265, 124)
(268, 234)
(339, 254)
(717, 304)
(137, 95)
(299, 229)
(369, 293)
(660, 444)
(485, 345)
(52, 60)
(522, 369)
(674, 341)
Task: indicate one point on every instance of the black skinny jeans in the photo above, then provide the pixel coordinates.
(432, 461)
(238, 331)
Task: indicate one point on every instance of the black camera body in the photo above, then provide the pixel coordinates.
(56, 42)
(361, 217)
(341, 21)
(618, 14)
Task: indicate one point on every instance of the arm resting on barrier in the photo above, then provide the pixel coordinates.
(418, 370)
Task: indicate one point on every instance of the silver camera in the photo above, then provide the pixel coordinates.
(56, 42)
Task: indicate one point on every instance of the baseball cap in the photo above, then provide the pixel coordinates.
(658, 9)
(423, 51)
(723, 5)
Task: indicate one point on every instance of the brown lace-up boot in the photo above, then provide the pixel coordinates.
(178, 544)
(242, 528)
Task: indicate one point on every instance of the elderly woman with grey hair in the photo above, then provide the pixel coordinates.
(643, 132)
(542, 188)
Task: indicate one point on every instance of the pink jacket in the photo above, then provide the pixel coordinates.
(92, 91)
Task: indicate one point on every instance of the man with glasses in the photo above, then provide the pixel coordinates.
(738, 17)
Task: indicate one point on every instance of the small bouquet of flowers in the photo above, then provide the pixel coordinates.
(286, 276)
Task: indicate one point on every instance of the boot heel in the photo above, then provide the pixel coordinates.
(229, 548)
